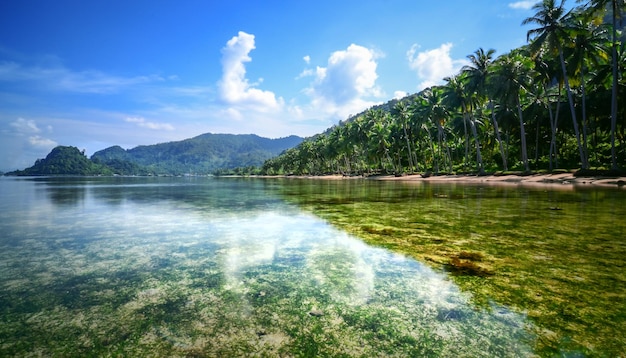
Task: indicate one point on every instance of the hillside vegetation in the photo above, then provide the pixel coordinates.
(64, 160)
(204, 154)
(557, 102)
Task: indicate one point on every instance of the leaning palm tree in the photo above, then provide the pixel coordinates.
(617, 7)
(551, 33)
(587, 51)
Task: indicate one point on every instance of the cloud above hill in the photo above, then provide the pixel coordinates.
(431, 66)
(347, 84)
(234, 88)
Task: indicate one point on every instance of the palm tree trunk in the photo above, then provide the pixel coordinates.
(497, 130)
(614, 89)
(522, 134)
(583, 157)
(479, 157)
(584, 99)
(408, 146)
(552, 136)
(466, 141)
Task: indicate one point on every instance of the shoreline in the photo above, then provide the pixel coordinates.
(558, 179)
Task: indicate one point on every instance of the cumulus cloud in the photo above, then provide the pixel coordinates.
(433, 65)
(234, 88)
(343, 86)
(141, 122)
(307, 59)
(523, 5)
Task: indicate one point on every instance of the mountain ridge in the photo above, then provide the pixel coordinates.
(203, 154)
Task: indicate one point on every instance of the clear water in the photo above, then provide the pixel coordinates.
(221, 267)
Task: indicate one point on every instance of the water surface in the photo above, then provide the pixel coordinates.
(236, 267)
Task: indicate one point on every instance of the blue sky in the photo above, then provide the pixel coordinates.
(98, 73)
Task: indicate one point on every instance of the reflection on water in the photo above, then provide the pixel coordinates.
(556, 253)
(184, 267)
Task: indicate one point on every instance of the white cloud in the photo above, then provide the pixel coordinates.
(400, 94)
(234, 88)
(141, 122)
(45, 143)
(433, 65)
(342, 88)
(58, 78)
(523, 5)
(24, 126)
(307, 59)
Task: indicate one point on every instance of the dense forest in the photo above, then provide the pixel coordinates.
(205, 154)
(557, 102)
(65, 160)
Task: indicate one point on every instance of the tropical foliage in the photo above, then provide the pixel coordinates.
(557, 102)
(65, 160)
(204, 154)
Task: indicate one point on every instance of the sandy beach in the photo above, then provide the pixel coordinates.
(562, 179)
(533, 179)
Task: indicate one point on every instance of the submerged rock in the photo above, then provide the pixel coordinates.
(316, 313)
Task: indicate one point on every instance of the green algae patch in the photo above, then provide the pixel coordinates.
(563, 268)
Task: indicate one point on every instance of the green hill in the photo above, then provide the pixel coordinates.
(65, 160)
(203, 154)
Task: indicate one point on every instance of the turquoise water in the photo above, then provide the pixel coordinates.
(221, 267)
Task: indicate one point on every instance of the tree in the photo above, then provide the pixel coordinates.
(617, 6)
(404, 116)
(478, 72)
(512, 74)
(587, 49)
(436, 112)
(457, 94)
(552, 31)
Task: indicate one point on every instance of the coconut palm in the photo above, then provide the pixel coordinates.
(404, 116)
(552, 31)
(617, 7)
(478, 72)
(435, 111)
(458, 95)
(549, 78)
(511, 78)
(588, 48)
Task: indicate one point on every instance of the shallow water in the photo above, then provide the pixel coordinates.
(236, 267)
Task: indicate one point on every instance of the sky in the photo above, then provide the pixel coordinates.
(98, 73)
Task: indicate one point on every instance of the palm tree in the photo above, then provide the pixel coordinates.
(457, 94)
(437, 113)
(617, 6)
(546, 75)
(588, 47)
(551, 32)
(478, 72)
(512, 74)
(404, 118)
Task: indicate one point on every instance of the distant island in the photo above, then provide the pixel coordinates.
(205, 154)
